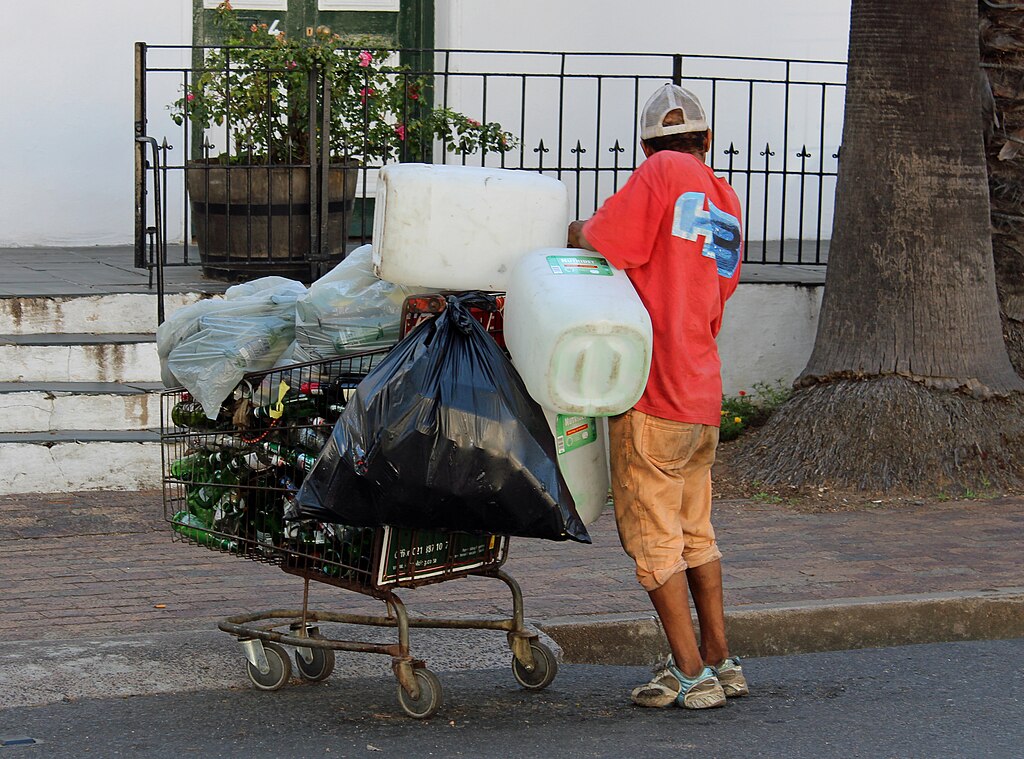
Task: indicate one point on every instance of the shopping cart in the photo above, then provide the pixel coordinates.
(228, 485)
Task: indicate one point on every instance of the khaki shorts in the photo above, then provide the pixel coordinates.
(661, 483)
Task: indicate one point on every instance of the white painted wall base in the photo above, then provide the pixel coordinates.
(767, 334)
(91, 314)
(54, 411)
(69, 467)
(106, 362)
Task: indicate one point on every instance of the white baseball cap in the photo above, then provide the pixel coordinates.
(671, 97)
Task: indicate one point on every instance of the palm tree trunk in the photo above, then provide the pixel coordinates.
(909, 383)
(1002, 60)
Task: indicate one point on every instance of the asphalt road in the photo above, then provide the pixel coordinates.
(941, 700)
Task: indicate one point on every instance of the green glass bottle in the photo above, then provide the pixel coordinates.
(191, 468)
(229, 512)
(190, 527)
(302, 461)
(269, 522)
(313, 438)
(293, 407)
(189, 413)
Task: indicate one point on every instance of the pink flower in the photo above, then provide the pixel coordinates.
(400, 131)
(365, 58)
(253, 28)
(473, 122)
(366, 92)
(190, 97)
(292, 65)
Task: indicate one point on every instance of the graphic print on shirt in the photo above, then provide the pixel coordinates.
(721, 230)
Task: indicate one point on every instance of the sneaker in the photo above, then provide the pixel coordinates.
(700, 692)
(730, 675)
(662, 690)
(669, 685)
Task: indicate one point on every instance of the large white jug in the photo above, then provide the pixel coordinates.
(582, 460)
(462, 227)
(578, 333)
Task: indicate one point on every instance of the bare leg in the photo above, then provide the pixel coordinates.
(705, 584)
(673, 606)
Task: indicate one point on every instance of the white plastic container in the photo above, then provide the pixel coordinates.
(462, 227)
(578, 333)
(582, 460)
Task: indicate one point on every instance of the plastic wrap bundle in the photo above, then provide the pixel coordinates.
(348, 310)
(179, 326)
(442, 434)
(209, 346)
(271, 286)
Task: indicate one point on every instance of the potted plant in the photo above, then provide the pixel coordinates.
(281, 103)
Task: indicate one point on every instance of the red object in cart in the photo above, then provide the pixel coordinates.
(420, 308)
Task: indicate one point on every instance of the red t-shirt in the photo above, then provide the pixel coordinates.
(675, 228)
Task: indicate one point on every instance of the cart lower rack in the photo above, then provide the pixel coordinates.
(228, 485)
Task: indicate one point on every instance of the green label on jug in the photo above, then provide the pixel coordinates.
(579, 265)
(573, 432)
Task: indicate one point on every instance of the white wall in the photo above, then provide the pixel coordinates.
(767, 334)
(808, 29)
(788, 117)
(66, 93)
(67, 71)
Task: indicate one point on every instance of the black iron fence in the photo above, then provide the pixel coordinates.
(776, 123)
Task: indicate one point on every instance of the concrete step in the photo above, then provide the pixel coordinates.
(122, 357)
(55, 462)
(113, 313)
(56, 406)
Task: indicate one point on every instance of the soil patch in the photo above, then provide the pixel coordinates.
(812, 498)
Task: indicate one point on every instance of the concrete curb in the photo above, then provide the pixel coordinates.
(776, 630)
(47, 671)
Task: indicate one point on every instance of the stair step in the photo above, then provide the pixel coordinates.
(70, 461)
(110, 357)
(44, 407)
(82, 436)
(104, 314)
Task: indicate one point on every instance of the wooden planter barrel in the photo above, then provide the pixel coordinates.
(251, 221)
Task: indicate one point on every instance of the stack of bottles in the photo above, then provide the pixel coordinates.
(239, 480)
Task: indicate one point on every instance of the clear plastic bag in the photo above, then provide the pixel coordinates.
(349, 310)
(217, 344)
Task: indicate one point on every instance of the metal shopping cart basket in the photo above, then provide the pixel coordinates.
(227, 486)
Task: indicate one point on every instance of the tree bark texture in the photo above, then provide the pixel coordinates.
(1002, 60)
(910, 289)
(889, 434)
(909, 386)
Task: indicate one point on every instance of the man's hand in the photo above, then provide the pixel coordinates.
(577, 238)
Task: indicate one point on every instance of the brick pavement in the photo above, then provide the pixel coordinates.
(97, 564)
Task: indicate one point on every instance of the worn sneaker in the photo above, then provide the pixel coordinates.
(669, 685)
(661, 691)
(700, 692)
(730, 675)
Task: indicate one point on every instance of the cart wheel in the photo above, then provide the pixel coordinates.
(545, 667)
(280, 668)
(430, 699)
(320, 668)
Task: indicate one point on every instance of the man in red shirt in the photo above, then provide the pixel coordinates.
(674, 227)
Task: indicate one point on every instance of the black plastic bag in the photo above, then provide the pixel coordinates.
(442, 434)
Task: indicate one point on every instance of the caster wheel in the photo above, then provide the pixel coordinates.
(280, 668)
(545, 667)
(430, 698)
(319, 669)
